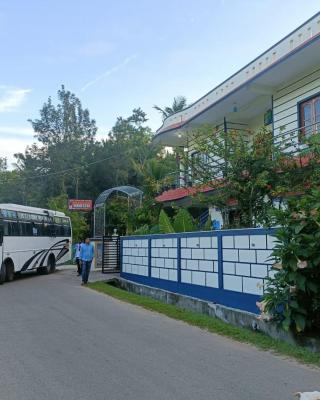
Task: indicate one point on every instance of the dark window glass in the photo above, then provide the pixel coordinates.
(310, 116)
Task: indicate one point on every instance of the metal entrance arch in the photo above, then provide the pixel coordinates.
(100, 206)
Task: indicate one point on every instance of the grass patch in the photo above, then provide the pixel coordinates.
(257, 339)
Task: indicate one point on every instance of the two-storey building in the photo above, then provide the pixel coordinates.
(280, 89)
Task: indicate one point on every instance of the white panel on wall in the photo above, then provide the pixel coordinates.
(186, 253)
(253, 286)
(186, 276)
(263, 257)
(243, 269)
(184, 264)
(229, 268)
(241, 242)
(155, 272)
(160, 262)
(173, 275)
(231, 255)
(164, 273)
(154, 252)
(168, 263)
(192, 264)
(183, 242)
(198, 278)
(205, 242)
(227, 242)
(173, 253)
(210, 254)
(197, 254)
(271, 241)
(258, 241)
(163, 252)
(259, 270)
(232, 282)
(214, 241)
(212, 280)
(206, 265)
(143, 270)
(193, 242)
(247, 256)
(167, 242)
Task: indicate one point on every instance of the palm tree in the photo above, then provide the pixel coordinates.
(179, 103)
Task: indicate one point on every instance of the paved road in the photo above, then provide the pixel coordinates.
(59, 340)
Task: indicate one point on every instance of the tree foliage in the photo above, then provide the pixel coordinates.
(165, 225)
(179, 104)
(183, 221)
(292, 297)
(66, 159)
(80, 226)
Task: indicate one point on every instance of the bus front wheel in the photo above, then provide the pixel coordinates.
(2, 273)
(9, 271)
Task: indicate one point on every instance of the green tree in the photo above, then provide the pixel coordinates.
(66, 137)
(80, 226)
(179, 103)
(292, 297)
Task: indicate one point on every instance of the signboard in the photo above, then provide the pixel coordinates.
(79, 205)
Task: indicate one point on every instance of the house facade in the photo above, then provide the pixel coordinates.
(279, 90)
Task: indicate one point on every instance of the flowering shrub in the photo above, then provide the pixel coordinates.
(292, 297)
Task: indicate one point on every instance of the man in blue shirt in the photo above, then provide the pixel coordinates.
(86, 256)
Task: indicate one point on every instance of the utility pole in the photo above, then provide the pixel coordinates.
(77, 187)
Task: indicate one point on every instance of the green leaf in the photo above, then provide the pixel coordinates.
(286, 323)
(300, 322)
(312, 286)
(165, 225)
(183, 221)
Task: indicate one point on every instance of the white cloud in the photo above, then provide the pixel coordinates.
(109, 72)
(8, 147)
(14, 139)
(16, 131)
(11, 98)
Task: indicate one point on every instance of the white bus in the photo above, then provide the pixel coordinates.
(32, 239)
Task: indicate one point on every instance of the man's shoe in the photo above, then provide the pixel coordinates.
(82, 283)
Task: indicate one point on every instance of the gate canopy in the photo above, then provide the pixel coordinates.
(130, 191)
(100, 208)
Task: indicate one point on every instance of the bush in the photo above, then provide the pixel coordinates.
(292, 297)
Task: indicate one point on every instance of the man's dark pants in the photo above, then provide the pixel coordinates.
(78, 262)
(86, 265)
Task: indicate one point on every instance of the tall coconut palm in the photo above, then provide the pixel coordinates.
(179, 103)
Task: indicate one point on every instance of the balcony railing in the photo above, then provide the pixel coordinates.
(295, 140)
(291, 143)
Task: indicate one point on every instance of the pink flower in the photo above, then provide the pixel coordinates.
(264, 317)
(302, 264)
(277, 266)
(261, 305)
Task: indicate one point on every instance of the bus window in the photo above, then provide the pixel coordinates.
(34, 229)
(26, 228)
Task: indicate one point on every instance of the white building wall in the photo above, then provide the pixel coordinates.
(285, 106)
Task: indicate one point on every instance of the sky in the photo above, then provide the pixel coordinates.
(124, 54)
